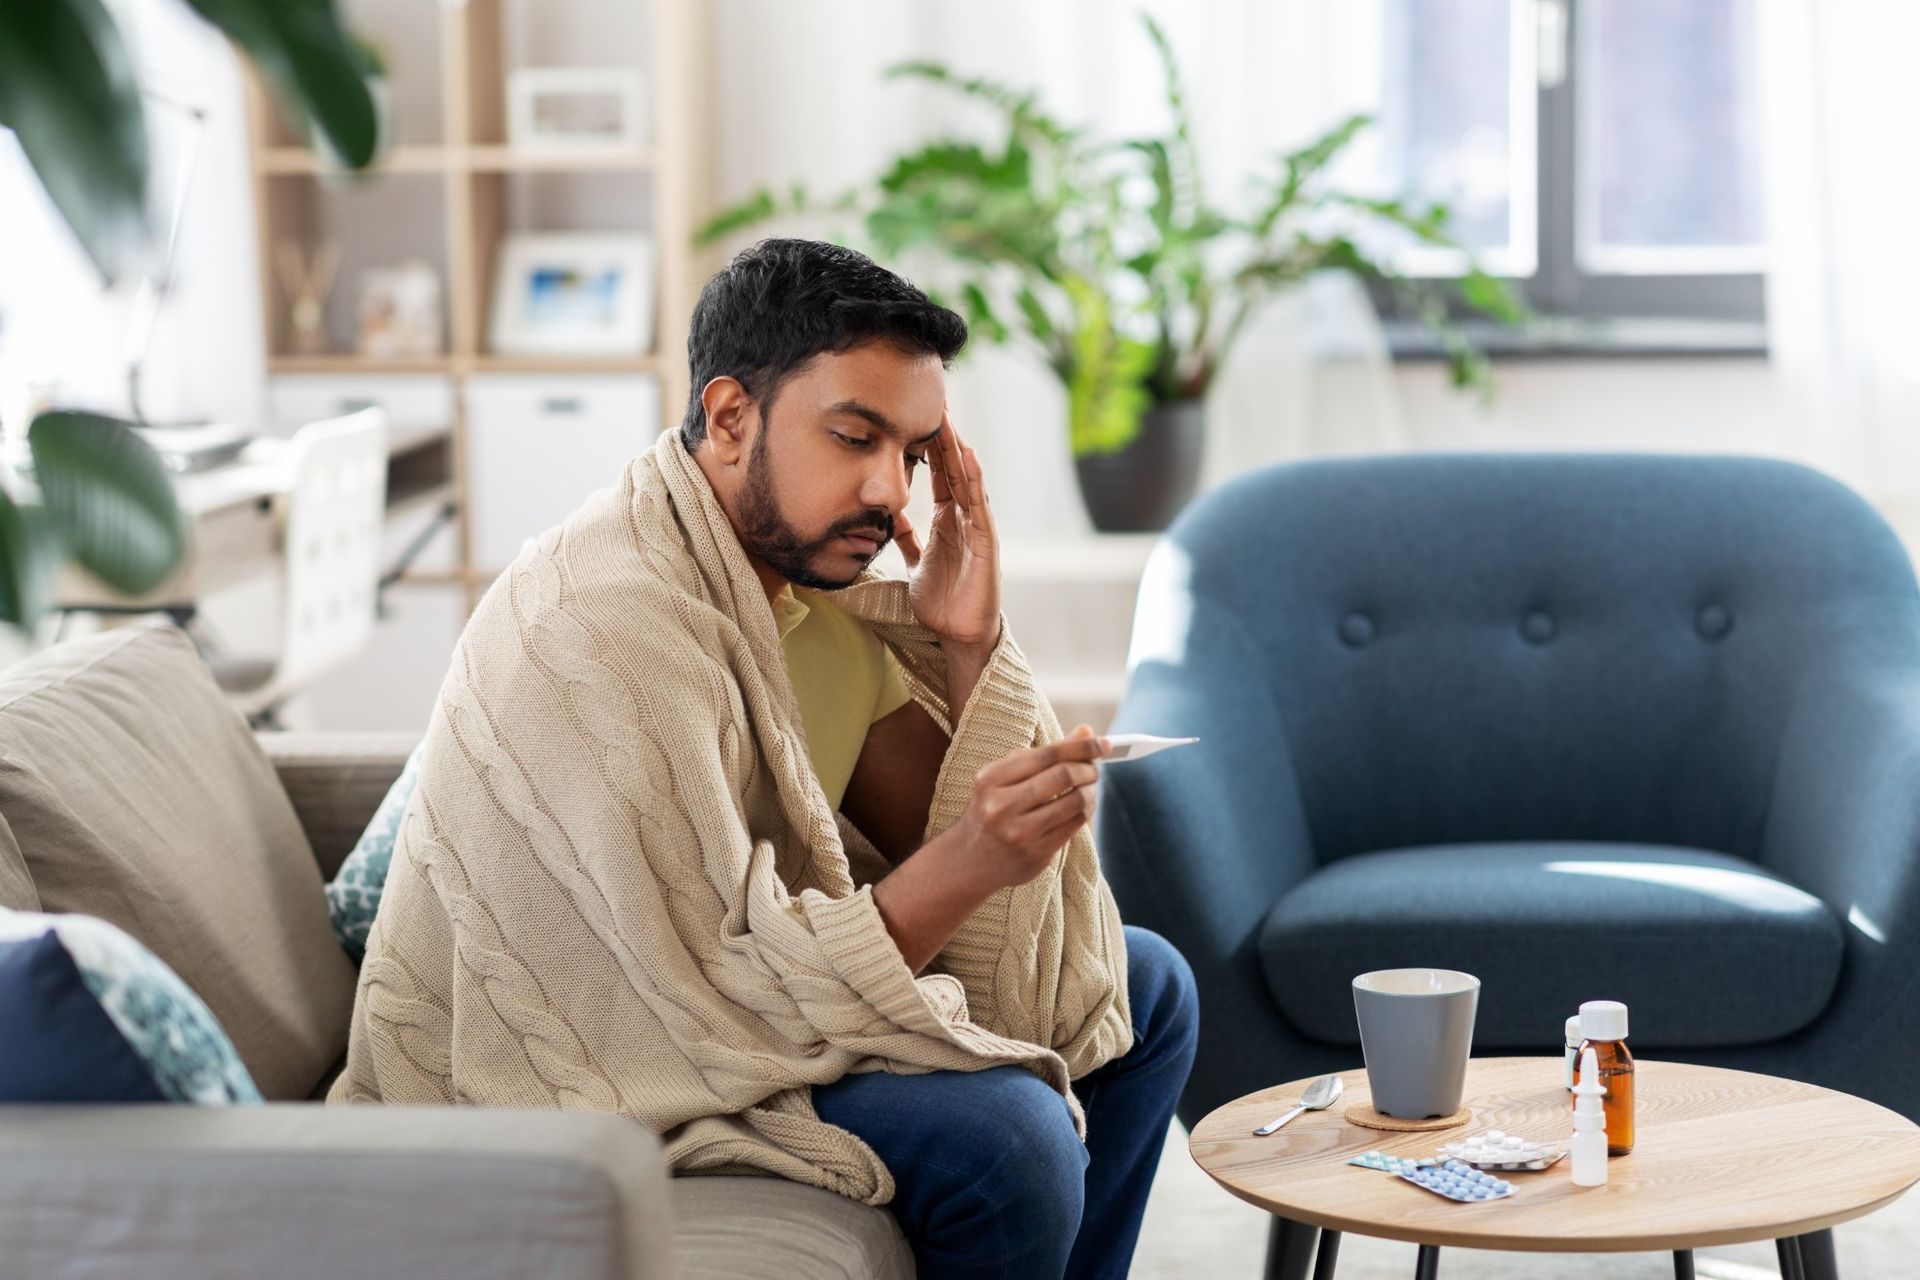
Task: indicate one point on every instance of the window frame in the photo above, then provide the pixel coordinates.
(1578, 307)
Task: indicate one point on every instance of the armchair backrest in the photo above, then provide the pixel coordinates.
(1502, 647)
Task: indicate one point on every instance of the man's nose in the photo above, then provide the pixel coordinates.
(887, 485)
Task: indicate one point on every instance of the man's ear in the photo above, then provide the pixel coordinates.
(730, 419)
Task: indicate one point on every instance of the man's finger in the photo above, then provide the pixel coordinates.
(1017, 766)
(1055, 780)
(1065, 816)
(980, 511)
(1025, 764)
(937, 459)
(953, 462)
(908, 541)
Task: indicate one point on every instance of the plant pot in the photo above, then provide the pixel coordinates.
(1141, 488)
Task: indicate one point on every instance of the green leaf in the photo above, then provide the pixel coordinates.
(1021, 109)
(1188, 158)
(1106, 391)
(1491, 296)
(1160, 168)
(1300, 166)
(1038, 321)
(755, 209)
(108, 499)
(67, 91)
(948, 159)
(26, 557)
(980, 314)
(309, 58)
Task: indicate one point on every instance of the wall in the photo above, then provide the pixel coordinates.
(1707, 405)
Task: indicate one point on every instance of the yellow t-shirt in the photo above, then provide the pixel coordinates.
(843, 678)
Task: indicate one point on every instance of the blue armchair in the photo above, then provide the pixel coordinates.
(1633, 727)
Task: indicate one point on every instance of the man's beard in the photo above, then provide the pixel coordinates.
(765, 532)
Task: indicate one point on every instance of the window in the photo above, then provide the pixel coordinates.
(1602, 154)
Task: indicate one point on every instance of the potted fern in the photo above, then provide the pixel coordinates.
(1110, 259)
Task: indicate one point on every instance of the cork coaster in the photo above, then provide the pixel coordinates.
(1362, 1113)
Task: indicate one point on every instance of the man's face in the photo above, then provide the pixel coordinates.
(829, 468)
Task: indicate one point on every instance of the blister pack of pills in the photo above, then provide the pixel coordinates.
(1504, 1151)
(1390, 1164)
(1459, 1181)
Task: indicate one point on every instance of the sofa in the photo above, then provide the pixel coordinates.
(1587, 726)
(130, 791)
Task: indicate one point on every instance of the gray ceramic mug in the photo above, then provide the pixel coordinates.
(1416, 1033)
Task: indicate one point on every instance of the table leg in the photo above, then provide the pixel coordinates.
(1289, 1249)
(1428, 1268)
(1816, 1256)
(1328, 1256)
(1789, 1251)
(1683, 1264)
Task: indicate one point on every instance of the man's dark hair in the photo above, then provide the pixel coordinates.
(780, 303)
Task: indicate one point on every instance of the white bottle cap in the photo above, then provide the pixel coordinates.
(1573, 1032)
(1603, 1020)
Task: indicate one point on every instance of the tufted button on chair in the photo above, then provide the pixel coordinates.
(1639, 728)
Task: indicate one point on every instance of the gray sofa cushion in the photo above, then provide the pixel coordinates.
(16, 886)
(757, 1228)
(137, 795)
(1705, 949)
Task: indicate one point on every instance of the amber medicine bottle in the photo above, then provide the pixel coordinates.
(1603, 1026)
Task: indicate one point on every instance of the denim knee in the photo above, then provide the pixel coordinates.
(1160, 990)
(1030, 1164)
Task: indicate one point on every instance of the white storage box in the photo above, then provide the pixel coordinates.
(538, 446)
(417, 404)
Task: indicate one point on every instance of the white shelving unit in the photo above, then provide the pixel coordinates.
(525, 439)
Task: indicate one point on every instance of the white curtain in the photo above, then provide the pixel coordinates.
(1840, 100)
(799, 95)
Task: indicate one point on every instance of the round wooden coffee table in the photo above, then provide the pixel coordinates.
(1721, 1157)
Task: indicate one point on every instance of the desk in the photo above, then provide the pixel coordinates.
(236, 515)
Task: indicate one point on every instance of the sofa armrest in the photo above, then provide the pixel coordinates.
(1843, 823)
(336, 781)
(299, 1191)
(1199, 843)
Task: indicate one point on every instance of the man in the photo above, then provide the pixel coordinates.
(721, 830)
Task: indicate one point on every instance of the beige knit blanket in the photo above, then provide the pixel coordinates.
(619, 885)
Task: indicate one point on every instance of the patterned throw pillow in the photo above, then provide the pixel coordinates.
(89, 1015)
(354, 895)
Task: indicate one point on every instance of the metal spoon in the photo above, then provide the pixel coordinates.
(1320, 1095)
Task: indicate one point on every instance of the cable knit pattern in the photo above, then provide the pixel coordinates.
(620, 887)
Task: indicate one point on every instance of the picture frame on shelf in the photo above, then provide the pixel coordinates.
(573, 294)
(401, 315)
(570, 107)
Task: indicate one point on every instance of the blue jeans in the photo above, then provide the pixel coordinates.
(990, 1178)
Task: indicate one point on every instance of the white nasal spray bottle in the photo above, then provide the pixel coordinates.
(1589, 1125)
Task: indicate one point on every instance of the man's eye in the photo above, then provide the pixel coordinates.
(915, 460)
(857, 442)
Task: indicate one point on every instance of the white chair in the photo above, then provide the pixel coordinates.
(335, 511)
